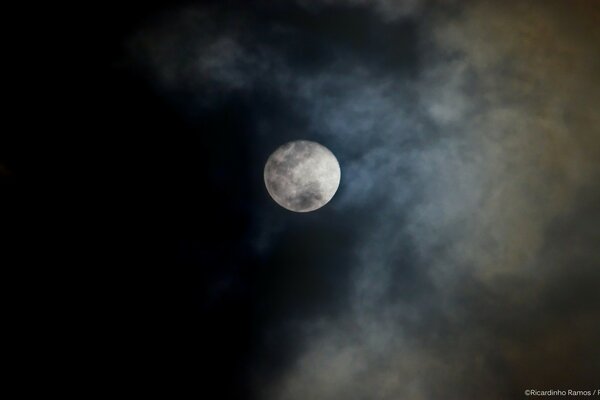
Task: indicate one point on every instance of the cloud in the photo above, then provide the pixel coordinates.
(503, 166)
(190, 52)
(389, 10)
(473, 184)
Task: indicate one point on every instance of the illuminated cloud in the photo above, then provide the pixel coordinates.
(472, 181)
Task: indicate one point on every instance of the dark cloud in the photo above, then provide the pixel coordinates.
(459, 258)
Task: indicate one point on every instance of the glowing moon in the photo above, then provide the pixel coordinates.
(302, 176)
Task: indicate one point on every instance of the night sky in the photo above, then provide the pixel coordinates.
(459, 259)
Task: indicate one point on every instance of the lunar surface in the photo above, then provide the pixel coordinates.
(302, 176)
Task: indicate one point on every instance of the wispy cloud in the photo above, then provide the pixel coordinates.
(479, 178)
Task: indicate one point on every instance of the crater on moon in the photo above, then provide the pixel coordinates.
(302, 175)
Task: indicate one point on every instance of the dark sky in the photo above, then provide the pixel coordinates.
(459, 258)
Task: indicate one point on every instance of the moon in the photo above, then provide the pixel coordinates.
(302, 176)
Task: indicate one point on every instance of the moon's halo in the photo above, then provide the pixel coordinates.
(302, 175)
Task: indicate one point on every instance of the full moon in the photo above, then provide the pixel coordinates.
(302, 176)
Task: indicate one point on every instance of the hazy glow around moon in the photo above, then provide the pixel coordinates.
(302, 175)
